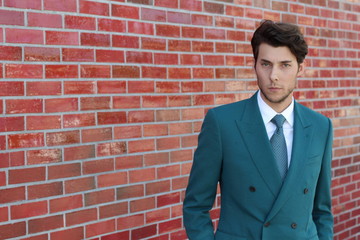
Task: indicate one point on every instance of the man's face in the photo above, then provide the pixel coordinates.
(277, 71)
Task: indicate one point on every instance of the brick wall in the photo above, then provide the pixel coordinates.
(101, 103)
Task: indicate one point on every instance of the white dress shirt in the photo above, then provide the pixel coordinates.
(268, 113)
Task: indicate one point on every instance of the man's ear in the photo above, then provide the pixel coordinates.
(301, 69)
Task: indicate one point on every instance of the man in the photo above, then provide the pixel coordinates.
(274, 175)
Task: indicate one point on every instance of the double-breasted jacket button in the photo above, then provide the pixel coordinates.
(267, 224)
(306, 191)
(293, 225)
(252, 189)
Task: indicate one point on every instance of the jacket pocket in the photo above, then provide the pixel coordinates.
(225, 236)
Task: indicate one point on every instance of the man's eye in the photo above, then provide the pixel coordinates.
(265, 64)
(286, 65)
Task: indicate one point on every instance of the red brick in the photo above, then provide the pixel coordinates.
(82, 216)
(113, 210)
(141, 28)
(204, 20)
(94, 8)
(64, 171)
(157, 187)
(167, 115)
(192, 86)
(167, 87)
(96, 135)
(43, 88)
(167, 30)
(10, 53)
(203, 73)
(68, 234)
(176, 17)
(168, 199)
(111, 117)
(44, 20)
(23, 71)
(97, 166)
(112, 179)
(153, 43)
(130, 221)
(9, 124)
(17, 176)
(126, 72)
(41, 54)
(192, 113)
(27, 210)
(111, 86)
(140, 87)
(44, 156)
(179, 73)
(8, 17)
(142, 204)
(153, 15)
(95, 39)
(13, 230)
(78, 55)
(154, 72)
(45, 224)
(126, 102)
(170, 225)
(45, 190)
(142, 175)
(61, 71)
(36, 4)
(2, 142)
(79, 185)
(141, 116)
(156, 159)
(167, 143)
(141, 146)
(29, 36)
(192, 32)
(26, 140)
(128, 162)
(125, 11)
(62, 138)
(180, 128)
(221, 21)
(66, 203)
(112, 148)
(12, 195)
(95, 103)
(158, 215)
(144, 232)
(61, 105)
(79, 87)
(100, 228)
(133, 191)
(127, 132)
(110, 56)
(179, 45)
(79, 152)
(154, 101)
(139, 57)
(60, 5)
(98, 197)
(4, 216)
(190, 59)
(43, 122)
(166, 58)
(191, 5)
(62, 38)
(79, 120)
(80, 22)
(125, 41)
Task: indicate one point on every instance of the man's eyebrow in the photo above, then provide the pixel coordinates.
(284, 61)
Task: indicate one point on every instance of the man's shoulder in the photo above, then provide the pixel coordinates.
(231, 106)
(310, 113)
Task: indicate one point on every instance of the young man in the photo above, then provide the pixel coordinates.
(271, 155)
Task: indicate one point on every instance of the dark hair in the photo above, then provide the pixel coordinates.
(279, 34)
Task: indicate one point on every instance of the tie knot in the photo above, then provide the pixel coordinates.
(278, 120)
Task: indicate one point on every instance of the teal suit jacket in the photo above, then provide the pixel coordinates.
(234, 150)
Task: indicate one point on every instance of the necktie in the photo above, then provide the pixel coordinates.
(279, 145)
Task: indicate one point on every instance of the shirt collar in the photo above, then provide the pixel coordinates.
(268, 113)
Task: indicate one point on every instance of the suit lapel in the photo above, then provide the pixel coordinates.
(302, 136)
(252, 129)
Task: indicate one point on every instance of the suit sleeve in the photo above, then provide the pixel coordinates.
(203, 180)
(322, 214)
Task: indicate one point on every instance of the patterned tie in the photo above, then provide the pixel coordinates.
(279, 145)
